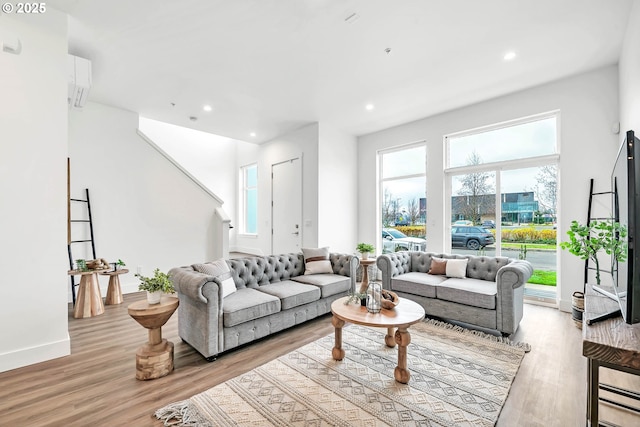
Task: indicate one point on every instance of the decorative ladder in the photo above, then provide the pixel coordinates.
(70, 241)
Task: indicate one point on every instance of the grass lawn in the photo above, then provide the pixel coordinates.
(543, 277)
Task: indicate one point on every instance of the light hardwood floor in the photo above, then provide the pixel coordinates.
(96, 384)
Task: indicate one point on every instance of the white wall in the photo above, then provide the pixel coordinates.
(33, 151)
(630, 74)
(145, 211)
(588, 105)
(301, 142)
(337, 190)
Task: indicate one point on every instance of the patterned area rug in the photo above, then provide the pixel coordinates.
(458, 378)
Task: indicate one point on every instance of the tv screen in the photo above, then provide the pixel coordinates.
(626, 213)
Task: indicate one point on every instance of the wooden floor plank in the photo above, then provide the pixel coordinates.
(96, 384)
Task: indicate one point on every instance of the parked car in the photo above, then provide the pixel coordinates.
(394, 240)
(463, 222)
(473, 238)
(488, 224)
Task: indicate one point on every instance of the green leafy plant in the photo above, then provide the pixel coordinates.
(120, 263)
(585, 241)
(159, 282)
(365, 247)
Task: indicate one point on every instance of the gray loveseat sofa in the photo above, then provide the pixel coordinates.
(271, 293)
(489, 294)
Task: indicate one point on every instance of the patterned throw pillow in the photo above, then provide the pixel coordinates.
(220, 270)
(438, 266)
(457, 268)
(316, 261)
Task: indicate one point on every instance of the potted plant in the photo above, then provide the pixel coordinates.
(365, 249)
(585, 241)
(155, 286)
(118, 264)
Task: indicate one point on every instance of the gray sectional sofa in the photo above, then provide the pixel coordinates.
(271, 293)
(488, 292)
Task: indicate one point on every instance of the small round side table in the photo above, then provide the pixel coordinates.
(114, 292)
(89, 300)
(365, 273)
(155, 358)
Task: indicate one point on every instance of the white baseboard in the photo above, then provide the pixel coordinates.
(246, 250)
(29, 356)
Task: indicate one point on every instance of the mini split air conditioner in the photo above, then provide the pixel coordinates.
(79, 81)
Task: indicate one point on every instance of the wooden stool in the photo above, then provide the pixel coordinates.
(155, 358)
(89, 300)
(114, 292)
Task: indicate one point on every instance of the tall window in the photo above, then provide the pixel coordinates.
(403, 198)
(249, 209)
(502, 187)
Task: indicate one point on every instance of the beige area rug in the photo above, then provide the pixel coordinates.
(458, 378)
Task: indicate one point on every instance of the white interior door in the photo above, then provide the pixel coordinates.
(286, 206)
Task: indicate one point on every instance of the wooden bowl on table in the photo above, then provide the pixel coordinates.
(389, 299)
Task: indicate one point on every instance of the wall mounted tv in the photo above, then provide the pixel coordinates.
(625, 183)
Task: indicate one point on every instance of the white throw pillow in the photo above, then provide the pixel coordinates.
(220, 270)
(457, 268)
(316, 261)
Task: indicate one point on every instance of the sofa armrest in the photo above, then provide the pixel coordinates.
(192, 283)
(392, 265)
(346, 265)
(514, 274)
(510, 281)
(200, 312)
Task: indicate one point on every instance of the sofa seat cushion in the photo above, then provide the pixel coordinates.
(329, 284)
(473, 292)
(416, 283)
(291, 294)
(248, 304)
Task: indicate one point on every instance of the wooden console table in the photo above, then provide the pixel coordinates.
(612, 344)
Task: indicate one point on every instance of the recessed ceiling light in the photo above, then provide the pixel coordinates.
(369, 107)
(252, 134)
(207, 108)
(509, 56)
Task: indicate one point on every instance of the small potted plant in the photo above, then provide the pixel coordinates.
(365, 249)
(118, 264)
(155, 286)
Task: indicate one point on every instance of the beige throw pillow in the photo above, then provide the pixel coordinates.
(457, 268)
(220, 270)
(316, 261)
(438, 266)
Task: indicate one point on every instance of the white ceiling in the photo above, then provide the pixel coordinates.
(271, 66)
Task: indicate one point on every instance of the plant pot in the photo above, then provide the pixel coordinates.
(154, 297)
(577, 308)
(365, 255)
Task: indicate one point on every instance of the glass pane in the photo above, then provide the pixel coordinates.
(404, 162)
(252, 176)
(404, 214)
(528, 201)
(510, 143)
(473, 202)
(252, 211)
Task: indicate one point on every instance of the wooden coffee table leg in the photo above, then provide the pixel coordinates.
(389, 339)
(337, 352)
(403, 338)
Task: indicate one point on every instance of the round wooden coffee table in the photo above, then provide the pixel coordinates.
(405, 314)
(155, 358)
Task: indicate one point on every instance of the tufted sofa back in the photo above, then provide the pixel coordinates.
(478, 267)
(255, 271)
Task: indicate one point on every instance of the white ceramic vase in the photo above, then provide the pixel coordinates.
(154, 297)
(365, 255)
